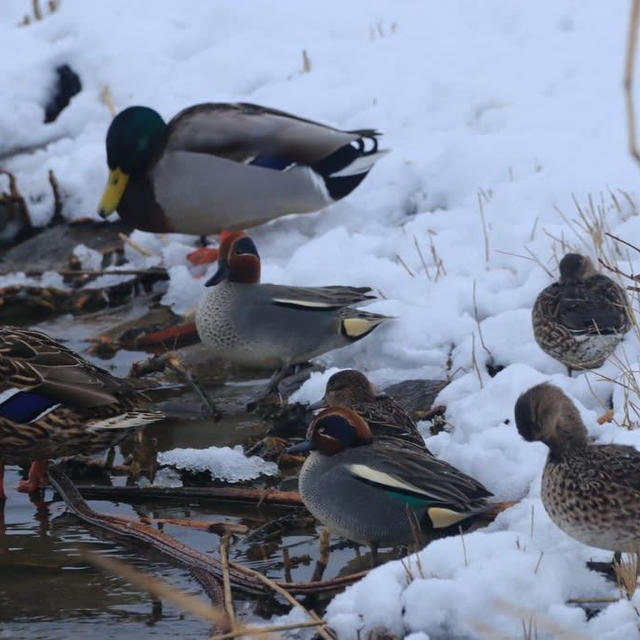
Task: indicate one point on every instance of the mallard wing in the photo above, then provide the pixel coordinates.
(31, 360)
(421, 480)
(597, 306)
(252, 134)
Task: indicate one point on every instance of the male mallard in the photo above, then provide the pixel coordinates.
(591, 491)
(380, 492)
(385, 417)
(54, 403)
(580, 319)
(275, 326)
(219, 166)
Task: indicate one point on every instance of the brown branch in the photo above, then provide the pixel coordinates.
(244, 579)
(57, 200)
(220, 528)
(219, 494)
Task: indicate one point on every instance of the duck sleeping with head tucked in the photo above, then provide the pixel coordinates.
(580, 319)
(54, 403)
(217, 166)
(274, 326)
(591, 491)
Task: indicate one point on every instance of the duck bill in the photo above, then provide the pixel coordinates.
(319, 404)
(221, 274)
(301, 447)
(116, 184)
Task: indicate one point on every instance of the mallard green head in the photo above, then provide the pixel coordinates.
(133, 140)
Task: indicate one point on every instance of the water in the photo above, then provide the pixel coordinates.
(49, 591)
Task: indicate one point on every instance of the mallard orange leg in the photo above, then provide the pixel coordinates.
(35, 480)
(202, 256)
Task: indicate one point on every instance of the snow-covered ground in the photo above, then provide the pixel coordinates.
(508, 111)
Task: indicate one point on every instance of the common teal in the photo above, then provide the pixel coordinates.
(54, 403)
(380, 493)
(591, 491)
(219, 166)
(580, 319)
(275, 326)
(386, 418)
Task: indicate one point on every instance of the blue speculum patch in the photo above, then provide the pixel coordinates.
(25, 406)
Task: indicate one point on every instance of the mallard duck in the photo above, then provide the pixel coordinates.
(591, 491)
(580, 319)
(218, 166)
(54, 403)
(380, 493)
(274, 326)
(386, 418)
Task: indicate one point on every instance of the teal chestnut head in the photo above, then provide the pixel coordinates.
(334, 430)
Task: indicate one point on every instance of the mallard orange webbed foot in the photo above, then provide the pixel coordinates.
(203, 256)
(36, 478)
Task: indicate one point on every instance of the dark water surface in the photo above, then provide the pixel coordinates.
(49, 592)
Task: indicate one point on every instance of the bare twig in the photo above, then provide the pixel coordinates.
(464, 547)
(57, 200)
(474, 360)
(477, 319)
(424, 264)
(226, 581)
(306, 62)
(542, 621)
(134, 245)
(176, 364)
(158, 588)
(404, 264)
(484, 226)
(285, 594)
(107, 99)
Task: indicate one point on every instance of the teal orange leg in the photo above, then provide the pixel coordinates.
(35, 480)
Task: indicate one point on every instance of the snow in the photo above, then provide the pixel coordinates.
(511, 113)
(223, 463)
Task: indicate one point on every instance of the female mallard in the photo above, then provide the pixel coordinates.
(219, 166)
(54, 403)
(591, 491)
(380, 492)
(386, 418)
(580, 319)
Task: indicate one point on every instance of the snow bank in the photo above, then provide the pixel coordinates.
(502, 117)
